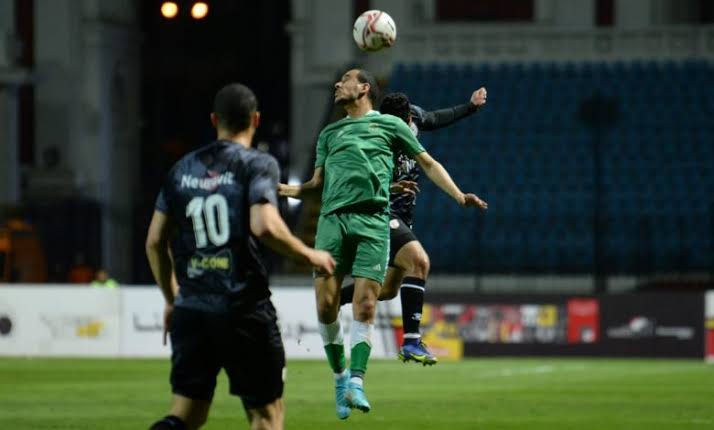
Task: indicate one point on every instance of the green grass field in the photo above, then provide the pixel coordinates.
(475, 394)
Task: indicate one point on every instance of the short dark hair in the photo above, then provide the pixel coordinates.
(365, 77)
(396, 104)
(233, 106)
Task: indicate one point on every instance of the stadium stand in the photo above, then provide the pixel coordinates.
(530, 154)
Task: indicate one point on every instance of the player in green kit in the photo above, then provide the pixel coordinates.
(353, 169)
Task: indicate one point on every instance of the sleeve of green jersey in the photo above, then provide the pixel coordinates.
(321, 151)
(406, 139)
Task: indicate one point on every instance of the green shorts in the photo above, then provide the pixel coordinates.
(358, 242)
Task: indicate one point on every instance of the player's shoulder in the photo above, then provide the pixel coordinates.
(195, 155)
(391, 122)
(259, 160)
(185, 163)
(386, 119)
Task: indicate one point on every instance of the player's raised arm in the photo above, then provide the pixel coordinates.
(311, 187)
(433, 169)
(436, 172)
(436, 119)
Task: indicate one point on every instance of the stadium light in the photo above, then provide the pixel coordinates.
(169, 9)
(199, 10)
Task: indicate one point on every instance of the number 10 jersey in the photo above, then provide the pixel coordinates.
(207, 195)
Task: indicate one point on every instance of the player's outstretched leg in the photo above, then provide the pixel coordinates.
(333, 340)
(416, 262)
(414, 349)
(364, 309)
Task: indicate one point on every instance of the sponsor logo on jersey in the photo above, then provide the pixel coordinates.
(211, 183)
(201, 263)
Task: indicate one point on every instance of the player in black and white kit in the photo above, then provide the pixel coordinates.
(408, 261)
(214, 205)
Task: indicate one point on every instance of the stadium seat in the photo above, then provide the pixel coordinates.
(529, 154)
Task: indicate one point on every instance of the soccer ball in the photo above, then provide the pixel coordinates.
(374, 30)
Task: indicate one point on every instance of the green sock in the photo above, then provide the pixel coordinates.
(336, 356)
(359, 358)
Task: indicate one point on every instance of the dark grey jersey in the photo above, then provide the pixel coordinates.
(405, 169)
(208, 195)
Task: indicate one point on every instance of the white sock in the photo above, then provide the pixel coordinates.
(340, 375)
(331, 333)
(361, 332)
(357, 381)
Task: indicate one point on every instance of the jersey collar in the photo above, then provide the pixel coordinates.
(372, 112)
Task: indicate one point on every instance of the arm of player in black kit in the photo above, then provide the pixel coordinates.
(311, 188)
(438, 174)
(268, 226)
(161, 263)
(436, 119)
(158, 254)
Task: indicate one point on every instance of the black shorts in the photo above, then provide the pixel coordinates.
(247, 345)
(399, 235)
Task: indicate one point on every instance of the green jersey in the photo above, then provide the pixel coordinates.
(357, 157)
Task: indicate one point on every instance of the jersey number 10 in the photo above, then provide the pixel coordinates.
(216, 228)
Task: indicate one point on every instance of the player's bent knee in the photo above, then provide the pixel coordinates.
(327, 309)
(420, 266)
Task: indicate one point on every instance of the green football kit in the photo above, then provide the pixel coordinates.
(357, 157)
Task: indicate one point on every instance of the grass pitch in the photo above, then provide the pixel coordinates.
(474, 394)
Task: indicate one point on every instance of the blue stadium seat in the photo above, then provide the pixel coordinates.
(529, 154)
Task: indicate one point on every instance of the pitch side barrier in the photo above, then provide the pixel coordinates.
(79, 321)
(59, 320)
(615, 325)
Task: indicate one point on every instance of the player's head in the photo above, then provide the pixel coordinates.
(396, 104)
(235, 110)
(356, 84)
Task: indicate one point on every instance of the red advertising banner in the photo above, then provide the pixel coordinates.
(583, 321)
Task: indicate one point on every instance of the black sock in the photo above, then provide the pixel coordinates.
(346, 294)
(412, 295)
(169, 422)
